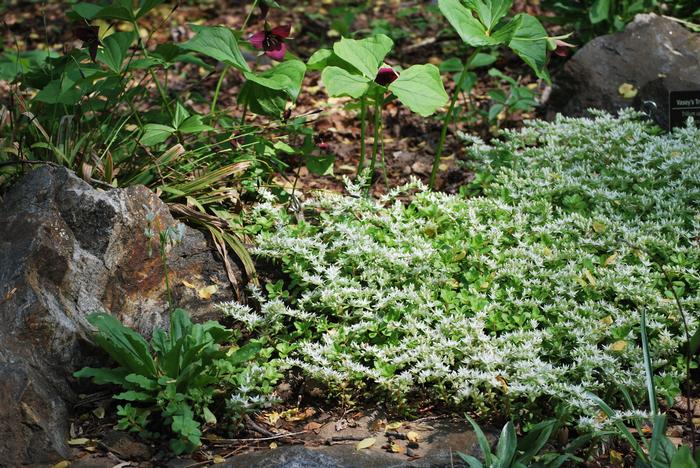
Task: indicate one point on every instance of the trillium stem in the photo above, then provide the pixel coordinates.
(377, 134)
(448, 117)
(363, 133)
(161, 91)
(250, 13)
(215, 99)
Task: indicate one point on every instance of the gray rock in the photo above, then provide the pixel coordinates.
(651, 49)
(66, 250)
(437, 447)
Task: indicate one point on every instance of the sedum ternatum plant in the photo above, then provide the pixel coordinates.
(527, 296)
(356, 68)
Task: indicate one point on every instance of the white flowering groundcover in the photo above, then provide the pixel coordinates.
(525, 297)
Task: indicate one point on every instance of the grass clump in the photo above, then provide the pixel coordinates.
(530, 293)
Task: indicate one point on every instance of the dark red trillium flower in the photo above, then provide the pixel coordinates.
(562, 49)
(89, 35)
(272, 41)
(386, 76)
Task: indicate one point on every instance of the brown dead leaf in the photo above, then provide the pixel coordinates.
(313, 426)
(207, 292)
(395, 448)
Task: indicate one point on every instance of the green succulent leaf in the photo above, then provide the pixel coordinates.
(420, 89)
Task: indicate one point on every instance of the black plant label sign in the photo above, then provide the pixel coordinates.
(683, 104)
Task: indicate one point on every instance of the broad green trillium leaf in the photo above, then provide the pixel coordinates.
(287, 76)
(340, 82)
(530, 43)
(155, 133)
(420, 89)
(319, 59)
(218, 43)
(599, 11)
(366, 55)
(490, 12)
(115, 49)
(267, 93)
(463, 21)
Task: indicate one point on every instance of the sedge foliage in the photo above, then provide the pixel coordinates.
(530, 293)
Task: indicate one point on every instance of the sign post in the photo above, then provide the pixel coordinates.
(683, 104)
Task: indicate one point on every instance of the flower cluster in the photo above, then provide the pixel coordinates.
(529, 293)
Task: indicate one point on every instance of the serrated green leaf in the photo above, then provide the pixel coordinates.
(142, 381)
(132, 395)
(103, 375)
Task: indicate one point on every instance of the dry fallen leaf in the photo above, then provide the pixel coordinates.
(207, 292)
(99, 412)
(218, 459)
(618, 345)
(412, 436)
(610, 260)
(616, 457)
(79, 441)
(366, 443)
(273, 445)
(313, 426)
(393, 426)
(395, 448)
(627, 91)
(187, 284)
(62, 464)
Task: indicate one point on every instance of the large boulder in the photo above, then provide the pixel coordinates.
(66, 250)
(654, 54)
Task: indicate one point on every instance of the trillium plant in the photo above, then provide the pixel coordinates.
(356, 69)
(483, 24)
